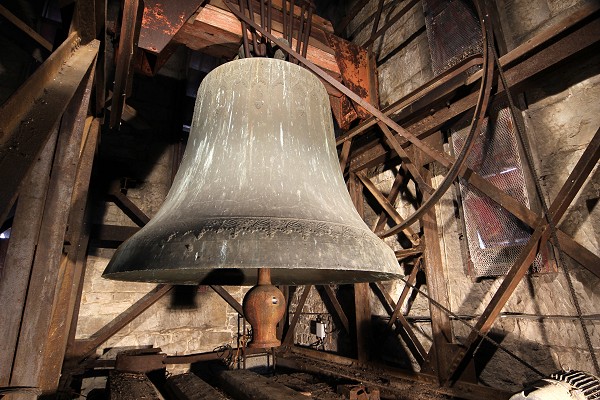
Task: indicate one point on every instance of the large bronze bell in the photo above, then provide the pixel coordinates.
(259, 187)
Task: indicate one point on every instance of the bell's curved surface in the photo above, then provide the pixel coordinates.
(259, 187)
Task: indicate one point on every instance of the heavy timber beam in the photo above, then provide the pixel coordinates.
(32, 113)
(362, 305)
(48, 261)
(439, 86)
(20, 253)
(72, 273)
(537, 241)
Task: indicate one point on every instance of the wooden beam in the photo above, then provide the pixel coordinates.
(129, 207)
(344, 155)
(126, 385)
(71, 275)
(19, 256)
(25, 28)
(218, 32)
(441, 326)
(389, 208)
(412, 278)
(424, 96)
(412, 168)
(408, 335)
(189, 386)
(391, 198)
(33, 112)
(244, 384)
(339, 311)
(361, 290)
(228, 298)
(289, 336)
(130, 24)
(84, 20)
(83, 348)
(48, 261)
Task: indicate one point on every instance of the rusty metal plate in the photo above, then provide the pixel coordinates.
(162, 20)
(355, 68)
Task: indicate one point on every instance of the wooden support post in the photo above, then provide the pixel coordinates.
(361, 290)
(345, 155)
(70, 277)
(412, 278)
(19, 256)
(48, 261)
(129, 31)
(436, 287)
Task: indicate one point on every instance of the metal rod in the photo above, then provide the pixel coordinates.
(253, 31)
(307, 30)
(244, 32)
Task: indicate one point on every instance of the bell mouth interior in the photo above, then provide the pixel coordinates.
(249, 276)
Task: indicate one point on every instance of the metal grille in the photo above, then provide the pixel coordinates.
(453, 32)
(494, 236)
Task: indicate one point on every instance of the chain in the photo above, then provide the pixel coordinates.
(529, 157)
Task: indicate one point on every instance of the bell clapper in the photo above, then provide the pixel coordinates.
(264, 306)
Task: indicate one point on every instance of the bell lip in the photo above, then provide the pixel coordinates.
(308, 252)
(249, 276)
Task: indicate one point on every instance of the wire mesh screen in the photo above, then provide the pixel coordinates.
(453, 32)
(494, 236)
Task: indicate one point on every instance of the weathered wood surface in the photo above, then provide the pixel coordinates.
(191, 387)
(48, 260)
(33, 112)
(127, 386)
(217, 32)
(20, 253)
(247, 385)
